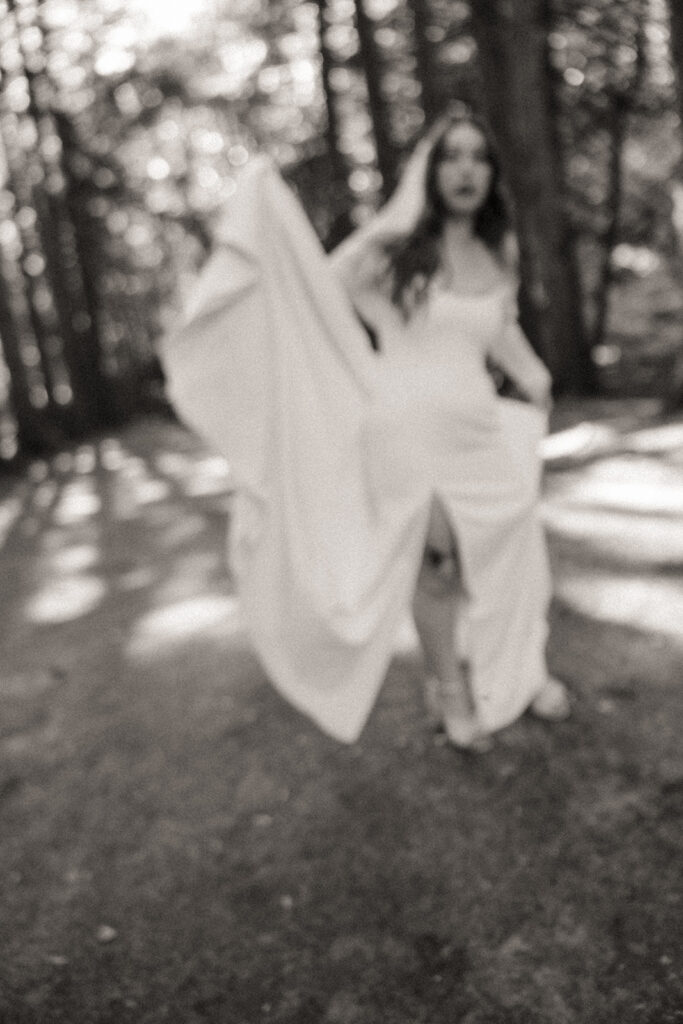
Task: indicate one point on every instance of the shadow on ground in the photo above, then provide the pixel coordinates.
(180, 845)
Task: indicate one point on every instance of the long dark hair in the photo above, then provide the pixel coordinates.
(414, 259)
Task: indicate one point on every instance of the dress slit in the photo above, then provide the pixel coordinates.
(336, 454)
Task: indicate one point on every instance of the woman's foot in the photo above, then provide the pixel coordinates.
(449, 705)
(552, 703)
(432, 697)
(466, 734)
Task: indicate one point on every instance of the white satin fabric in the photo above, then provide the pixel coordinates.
(337, 454)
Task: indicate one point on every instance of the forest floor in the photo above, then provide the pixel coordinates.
(177, 844)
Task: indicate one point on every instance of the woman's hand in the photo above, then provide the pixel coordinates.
(539, 393)
(408, 201)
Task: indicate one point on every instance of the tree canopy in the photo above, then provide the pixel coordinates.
(121, 134)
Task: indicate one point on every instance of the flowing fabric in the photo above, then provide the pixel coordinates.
(337, 454)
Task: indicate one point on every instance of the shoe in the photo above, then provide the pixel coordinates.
(466, 734)
(552, 703)
(432, 697)
(447, 707)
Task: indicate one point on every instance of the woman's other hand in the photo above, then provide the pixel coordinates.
(540, 393)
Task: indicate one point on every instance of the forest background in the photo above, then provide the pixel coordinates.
(123, 124)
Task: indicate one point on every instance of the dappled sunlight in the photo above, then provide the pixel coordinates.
(190, 574)
(579, 442)
(112, 456)
(73, 499)
(181, 530)
(616, 528)
(662, 439)
(45, 494)
(85, 459)
(63, 462)
(174, 464)
(56, 538)
(211, 476)
(63, 600)
(633, 600)
(195, 476)
(29, 526)
(148, 491)
(74, 559)
(77, 502)
(38, 471)
(614, 521)
(137, 483)
(591, 439)
(631, 484)
(133, 485)
(174, 624)
(10, 510)
(618, 535)
(136, 579)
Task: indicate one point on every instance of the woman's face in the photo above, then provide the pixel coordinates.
(463, 171)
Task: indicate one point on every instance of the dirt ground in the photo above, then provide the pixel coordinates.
(177, 844)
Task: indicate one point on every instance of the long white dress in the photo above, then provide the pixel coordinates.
(338, 452)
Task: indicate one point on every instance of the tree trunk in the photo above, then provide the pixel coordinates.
(342, 223)
(34, 434)
(517, 90)
(88, 258)
(387, 156)
(622, 104)
(674, 401)
(676, 20)
(610, 235)
(425, 57)
(328, 64)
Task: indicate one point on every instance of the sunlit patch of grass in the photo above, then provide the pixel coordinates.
(62, 600)
(176, 623)
(626, 598)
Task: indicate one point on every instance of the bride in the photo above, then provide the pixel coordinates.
(373, 482)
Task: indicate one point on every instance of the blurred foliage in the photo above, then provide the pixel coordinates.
(119, 142)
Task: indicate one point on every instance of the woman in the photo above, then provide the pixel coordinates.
(433, 265)
(369, 482)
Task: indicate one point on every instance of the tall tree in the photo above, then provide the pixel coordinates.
(34, 432)
(676, 28)
(426, 57)
(516, 85)
(372, 58)
(676, 21)
(622, 96)
(333, 135)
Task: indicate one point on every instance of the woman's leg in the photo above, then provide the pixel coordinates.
(435, 607)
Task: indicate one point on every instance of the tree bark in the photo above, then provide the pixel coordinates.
(327, 66)
(517, 89)
(425, 58)
(622, 104)
(70, 207)
(342, 223)
(34, 433)
(64, 270)
(387, 156)
(674, 402)
(676, 23)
